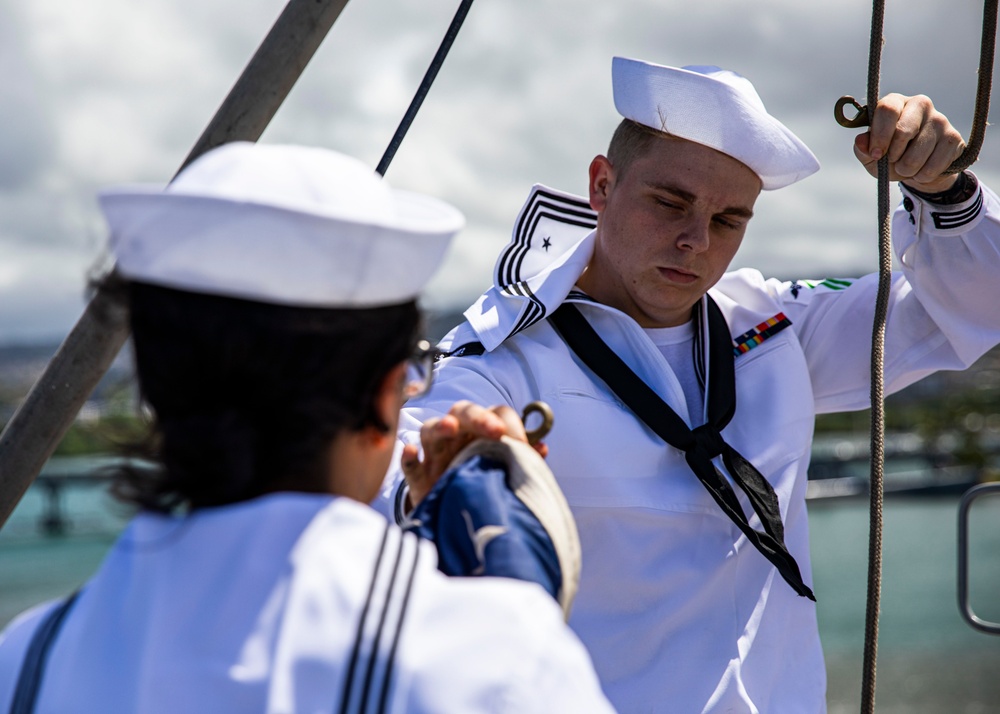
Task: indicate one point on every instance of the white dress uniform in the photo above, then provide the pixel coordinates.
(299, 603)
(678, 610)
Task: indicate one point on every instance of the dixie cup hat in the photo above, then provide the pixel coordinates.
(714, 107)
(282, 224)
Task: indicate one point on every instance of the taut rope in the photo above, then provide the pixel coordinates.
(425, 85)
(967, 158)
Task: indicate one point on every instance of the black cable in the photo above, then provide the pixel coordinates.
(425, 85)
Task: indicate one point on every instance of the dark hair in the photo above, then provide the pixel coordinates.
(630, 141)
(247, 397)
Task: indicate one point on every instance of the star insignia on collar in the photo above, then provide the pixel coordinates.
(795, 289)
(546, 243)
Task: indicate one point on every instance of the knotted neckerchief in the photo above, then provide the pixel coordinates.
(702, 444)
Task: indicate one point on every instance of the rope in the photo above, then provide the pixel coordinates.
(877, 386)
(966, 159)
(425, 85)
(987, 46)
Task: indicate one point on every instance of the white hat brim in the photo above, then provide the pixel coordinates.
(707, 111)
(285, 255)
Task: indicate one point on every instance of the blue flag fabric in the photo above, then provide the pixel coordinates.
(480, 527)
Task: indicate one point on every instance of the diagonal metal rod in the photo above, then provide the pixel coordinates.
(50, 407)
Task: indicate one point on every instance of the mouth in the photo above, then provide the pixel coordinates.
(678, 275)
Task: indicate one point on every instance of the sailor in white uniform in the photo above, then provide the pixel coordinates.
(683, 427)
(272, 303)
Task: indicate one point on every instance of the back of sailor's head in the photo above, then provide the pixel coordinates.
(272, 290)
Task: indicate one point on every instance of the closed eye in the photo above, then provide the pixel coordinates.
(729, 223)
(669, 204)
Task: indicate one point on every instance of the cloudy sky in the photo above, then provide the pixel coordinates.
(115, 91)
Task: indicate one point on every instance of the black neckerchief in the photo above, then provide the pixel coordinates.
(702, 444)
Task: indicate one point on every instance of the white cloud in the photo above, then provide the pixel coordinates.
(43, 291)
(115, 91)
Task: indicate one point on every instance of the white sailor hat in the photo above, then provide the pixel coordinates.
(292, 225)
(715, 107)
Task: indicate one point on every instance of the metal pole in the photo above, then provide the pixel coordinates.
(50, 407)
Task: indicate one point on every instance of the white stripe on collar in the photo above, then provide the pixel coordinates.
(550, 247)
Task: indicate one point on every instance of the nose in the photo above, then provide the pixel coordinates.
(695, 235)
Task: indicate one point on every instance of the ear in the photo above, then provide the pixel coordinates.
(389, 397)
(602, 180)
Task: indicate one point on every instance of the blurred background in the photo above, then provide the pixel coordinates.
(113, 91)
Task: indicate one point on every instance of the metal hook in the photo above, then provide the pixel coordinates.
(979, 123)
(861, 119)
(537, 434)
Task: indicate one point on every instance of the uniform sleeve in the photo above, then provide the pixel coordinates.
(561, 679)
(494, 645)
(942, 313)
(455, 378)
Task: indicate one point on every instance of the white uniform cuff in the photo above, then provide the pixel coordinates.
(944, 220)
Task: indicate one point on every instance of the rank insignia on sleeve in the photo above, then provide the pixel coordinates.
(751, 338)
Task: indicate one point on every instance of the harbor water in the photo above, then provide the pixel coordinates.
(929, 659)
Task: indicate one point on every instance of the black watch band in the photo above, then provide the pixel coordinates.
(963, 189)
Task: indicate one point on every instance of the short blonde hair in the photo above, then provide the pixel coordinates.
(630, 140)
